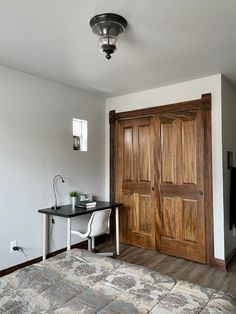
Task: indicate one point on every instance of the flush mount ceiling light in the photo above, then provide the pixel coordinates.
(108, 26)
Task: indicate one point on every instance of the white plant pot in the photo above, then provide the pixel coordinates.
(73, 201)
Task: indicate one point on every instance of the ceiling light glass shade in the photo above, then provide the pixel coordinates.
(108, 44)
(108, 27)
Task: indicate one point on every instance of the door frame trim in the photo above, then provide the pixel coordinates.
(204, 104)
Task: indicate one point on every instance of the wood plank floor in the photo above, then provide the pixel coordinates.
(179, 268)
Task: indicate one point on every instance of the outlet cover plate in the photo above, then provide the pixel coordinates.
(12, 244)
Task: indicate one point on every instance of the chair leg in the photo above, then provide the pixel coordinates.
(89, 244)
(93, 243)
(105, 253)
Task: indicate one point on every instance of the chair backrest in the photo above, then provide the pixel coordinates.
(99, 222)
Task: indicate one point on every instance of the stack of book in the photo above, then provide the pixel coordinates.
(87, 204)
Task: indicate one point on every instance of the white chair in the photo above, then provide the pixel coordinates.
(91, 226)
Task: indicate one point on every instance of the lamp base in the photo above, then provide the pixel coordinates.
(55, 208)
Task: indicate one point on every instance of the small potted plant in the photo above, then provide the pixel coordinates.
(73, 198)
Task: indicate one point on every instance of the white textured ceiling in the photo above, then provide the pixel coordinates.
(167, 41)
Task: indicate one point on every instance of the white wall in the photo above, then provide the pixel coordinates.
(178, 93)
(36, 143)
(229, 144)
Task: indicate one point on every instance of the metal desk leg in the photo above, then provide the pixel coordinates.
(117, 232)
(68, 234)
(45, 236)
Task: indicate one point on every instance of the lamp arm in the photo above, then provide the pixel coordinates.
(54, 190)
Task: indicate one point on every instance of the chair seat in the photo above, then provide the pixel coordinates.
(78, 233)
(81, 225)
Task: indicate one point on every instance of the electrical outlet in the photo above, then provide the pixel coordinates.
(12, 244)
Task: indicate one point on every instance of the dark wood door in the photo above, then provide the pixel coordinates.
(179, 162)
(135, 181)
(161, 183)
(165, 183)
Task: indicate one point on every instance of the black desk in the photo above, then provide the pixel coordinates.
(68, 212)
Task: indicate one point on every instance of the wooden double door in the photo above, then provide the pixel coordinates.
(160, 181)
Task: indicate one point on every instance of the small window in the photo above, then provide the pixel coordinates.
(80, 130)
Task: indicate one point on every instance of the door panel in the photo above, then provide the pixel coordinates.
(167, 152)
(168, 217)
(128, 202)
(189, 151)
(135, 173)
(144, 153)
(181, 187)
(189, 219)
(128, 170)
(145, 219)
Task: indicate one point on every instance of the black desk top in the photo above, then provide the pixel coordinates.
(68, 211)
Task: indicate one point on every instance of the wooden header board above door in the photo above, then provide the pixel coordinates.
(176, 187)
